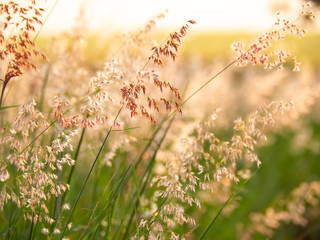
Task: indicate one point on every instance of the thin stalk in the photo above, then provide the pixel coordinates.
(45, 20)
(35, 230)
(91, 220)
(58, 202)
(214, 219)
(134, 211)
(147, 173)
(31, 227)
(110, 201)
(73, 167)
(6, 107)
(125, 129)
(225, 204)
(137, 161)
(2, 92)
(137, 185)
(33, 140)
(92, 167)
(112, 213)
(94, 187)
(9, 231)
(91, 217)
(210, 80)
(44, 85)
(14, 225)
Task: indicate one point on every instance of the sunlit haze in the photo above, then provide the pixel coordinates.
(113, 15)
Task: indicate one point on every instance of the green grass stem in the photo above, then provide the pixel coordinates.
(91, 169)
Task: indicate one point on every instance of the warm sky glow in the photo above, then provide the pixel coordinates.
(125, 14)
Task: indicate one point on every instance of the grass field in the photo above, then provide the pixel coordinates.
(206, 46)
(116, 138)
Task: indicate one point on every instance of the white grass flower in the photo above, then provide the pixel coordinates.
(69, 225)
(45, 231)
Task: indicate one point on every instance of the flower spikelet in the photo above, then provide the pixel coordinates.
(137, 97)
(171, 46)
(17, 48)
(34, 176)
(258, 52)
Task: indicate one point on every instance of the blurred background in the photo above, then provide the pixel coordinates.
(219, 23)
(230, 15)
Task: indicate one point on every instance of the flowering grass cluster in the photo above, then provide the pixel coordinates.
(17, 48)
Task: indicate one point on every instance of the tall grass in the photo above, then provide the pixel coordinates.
(151, 146)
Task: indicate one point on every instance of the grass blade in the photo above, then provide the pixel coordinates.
(148, 174)
(224, 205)
(75, 158)
(214, 219)
(112, 197)
(6, 107)
(87, 178)
(137, 184)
